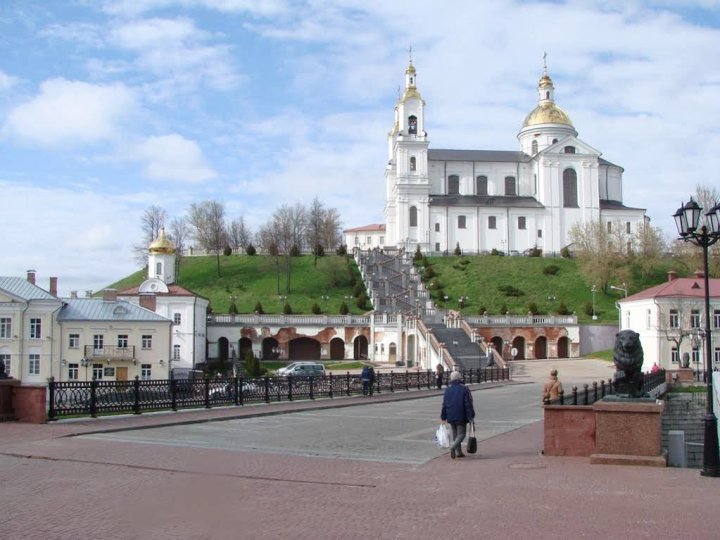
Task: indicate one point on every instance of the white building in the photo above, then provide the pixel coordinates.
(184, 308)
(366, 237)
(486, 199)
(670, 318)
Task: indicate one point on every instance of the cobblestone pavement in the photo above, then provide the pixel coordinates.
(104, 485)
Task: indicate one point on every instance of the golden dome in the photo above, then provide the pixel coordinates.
(410, 69)
(547, 113)
(162, 244)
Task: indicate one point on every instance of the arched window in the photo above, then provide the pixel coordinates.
(159, 271)
(413, 216)
(554, 141)
(510, 187)
(453, 184)
(534, 147)
(569, 149)
(481, 187)
(412, 125)
(570, 192)
(413, 163)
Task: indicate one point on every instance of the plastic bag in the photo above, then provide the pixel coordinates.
(443, 435)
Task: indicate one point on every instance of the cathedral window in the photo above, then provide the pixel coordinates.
(437, 227)
(492, 222)
(158, 270)
(481, 187)
(510, 187)
(413, 164)
(534, 147)
(554, 141)
(521, 222)
(412, 125)
(461, 222)
(413, 216)
(570, 191)
(569, 149)
(453, 184)
(539, 233)
(627, 227)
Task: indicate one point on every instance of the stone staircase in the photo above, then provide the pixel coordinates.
(463, 351)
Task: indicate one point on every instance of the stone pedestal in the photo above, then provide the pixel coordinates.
(7, 412)
(628, 432)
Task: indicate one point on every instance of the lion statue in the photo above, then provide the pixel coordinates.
(628, 359)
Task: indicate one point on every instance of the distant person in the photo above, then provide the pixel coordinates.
(372, 379)
(365, 377)
(655, 368)
(553, 387)
(439, 373)
(458, 410)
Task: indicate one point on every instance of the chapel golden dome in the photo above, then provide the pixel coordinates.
(547, 113)
(161, 244)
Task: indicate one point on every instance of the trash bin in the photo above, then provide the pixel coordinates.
(676, 448)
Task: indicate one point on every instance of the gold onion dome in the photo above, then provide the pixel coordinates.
(547, 113)
(162, 244)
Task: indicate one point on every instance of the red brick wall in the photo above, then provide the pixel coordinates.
(569, 430)
(30, 404)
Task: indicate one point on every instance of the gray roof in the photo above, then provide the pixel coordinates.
(22, 288)
(607, 204)
(505, 156)
(97, 309)
(491, 201)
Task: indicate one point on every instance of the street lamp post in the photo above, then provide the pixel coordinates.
(687, 220)
(594, 289)
(623, 288)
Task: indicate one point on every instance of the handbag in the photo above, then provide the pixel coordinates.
(443, 435)
(472, 440)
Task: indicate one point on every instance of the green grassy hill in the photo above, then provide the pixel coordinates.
(490, 283)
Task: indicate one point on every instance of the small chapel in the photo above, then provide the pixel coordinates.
(511, 201)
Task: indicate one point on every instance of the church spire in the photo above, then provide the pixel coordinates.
(545, 85)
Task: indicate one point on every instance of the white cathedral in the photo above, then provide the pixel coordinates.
(481, 200)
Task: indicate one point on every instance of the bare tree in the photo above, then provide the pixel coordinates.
(267, 239)
(239, 234)
(179, 234)
(151, 221)
(600, 254)
(675, 320)
(649, 247)
(208, 221)
(323, 228)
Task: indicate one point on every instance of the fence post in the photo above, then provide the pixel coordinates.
(173, 394)
(267, 389)
(586, 392)
(136, 392)
(347, 378)
(330, 392)
(207, 392)
(392, 381)
(377, 379)
(238, 388)
(51, 388)
(574, 394)
(241, 391)
(312, 387)
(429, 378)
(290, 383)
(595, 394)
(602, 388)
(407, 382)
(93, 397)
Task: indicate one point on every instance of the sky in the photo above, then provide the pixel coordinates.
(109, 107)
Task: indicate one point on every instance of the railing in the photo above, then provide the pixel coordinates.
(93, 398)
(112, 353)
(591, 393)
(522, 320)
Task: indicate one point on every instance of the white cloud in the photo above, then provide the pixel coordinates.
(173, 157)
(70, 113)
(137, 7)
(7, 81)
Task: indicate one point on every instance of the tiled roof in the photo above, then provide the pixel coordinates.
(375, 227)
(97, 309)
(507, 156)
(22, 288)
(173, 290)
(499, 201)
(678, 288)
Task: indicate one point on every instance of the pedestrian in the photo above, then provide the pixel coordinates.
(458, 410)
(439, 372)
(365, 378)
(372, 379)
(655, 368)
(553, 387)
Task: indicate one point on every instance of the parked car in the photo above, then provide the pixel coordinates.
(302, 368)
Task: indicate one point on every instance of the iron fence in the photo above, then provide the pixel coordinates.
(93, 398)
(590, 393)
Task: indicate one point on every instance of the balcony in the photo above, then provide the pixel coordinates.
(110, 353)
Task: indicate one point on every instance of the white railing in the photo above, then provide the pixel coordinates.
(522, 320)
(294, 320)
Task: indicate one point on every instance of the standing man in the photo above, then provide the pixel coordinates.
(439, 372)
(365, 377)
(457, 408)
(553, 387)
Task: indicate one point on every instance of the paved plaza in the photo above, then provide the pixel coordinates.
(342, 468)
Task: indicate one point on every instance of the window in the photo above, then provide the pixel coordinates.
(122, 341)
(534, 147)
(145, 371)
(412, 125)
(696, 355)
(554, 141)
(570, 191)
(73, 372)
(716, 357)
(492, 222)
(109, 372)
(695, 318)
(481, 185)
(437, 246)
(609, 226)
(521, 223)
(413, 164)
(158, 270)
(674, 356)
(437, 227)
(382, 240)
(674, 318)
(5, 327)
(453, 184)
(177, 318)
(539, 233)
(34, 364)
(510, 188)
(569, 149)
(648, 318)
(357, 240)
(98, 371)
(98, 343)
(5, 358)
(716, 318)
(73, 341)
(35, 328)
(627, 227)
(413, 216)
(461, 222)
(176, 352)
(147, 342)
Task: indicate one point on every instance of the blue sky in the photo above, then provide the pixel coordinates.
(108, 107)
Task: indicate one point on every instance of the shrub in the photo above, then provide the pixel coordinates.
(250, 250)
(294, 251)
(227, 251)
(535, 252)
(429, 272)
(510, 290)
(253, 368)
(565, 252)
(533, 308)
(362, 301)
(344, 309)
(287, 309)
(418, 255)
(233, 310)
(562, 309)
(425, 262)
(494, 251)
(319, 250)
(551, 270)
(482, 310)
(358, 289)
(588, 308)
(341, 250)
(258, 308)
(504, 309)
(457, 251)
(315, 309)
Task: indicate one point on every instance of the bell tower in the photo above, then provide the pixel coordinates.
(161, 259)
